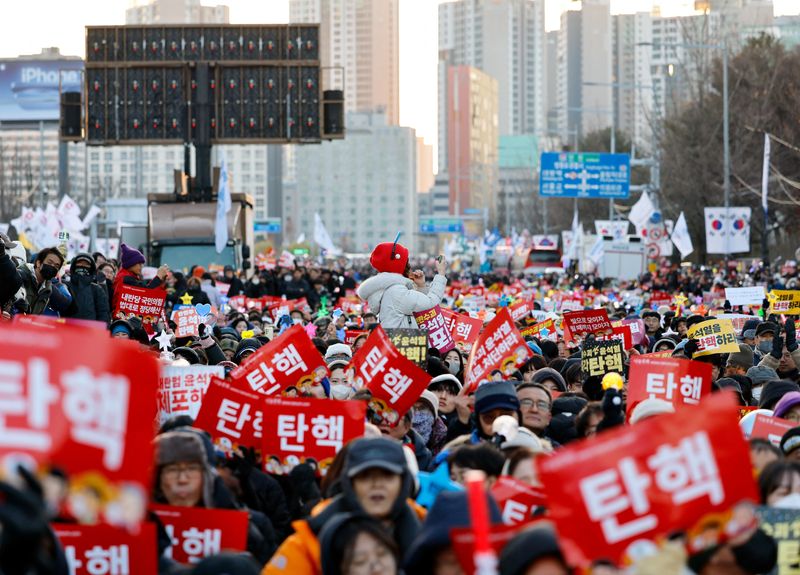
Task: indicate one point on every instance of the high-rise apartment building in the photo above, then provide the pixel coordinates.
(633, 89)
(175, 12)
(472, 140)
(585, 63)
(362, 37)
(364, 187)
(506, 40)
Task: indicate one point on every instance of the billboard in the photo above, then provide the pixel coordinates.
(29, 88)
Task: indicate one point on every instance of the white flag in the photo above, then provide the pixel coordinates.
(641, 211)
(727, 232)
(681, 237)
(93, 212)
(598, 251)
(765, 174)
(321, 236)
(223, 207)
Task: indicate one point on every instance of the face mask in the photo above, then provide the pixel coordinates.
(287, 278)
(422, 423)
(765, 347)
(48, 272)
(791, 501)
(453, 366)
(757, 393)
(255, 281)
(82, 272)
(341, 391)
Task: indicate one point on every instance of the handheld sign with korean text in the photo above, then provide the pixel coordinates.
(499, 346)
(439, 337)
(714, 336)
(678, 381)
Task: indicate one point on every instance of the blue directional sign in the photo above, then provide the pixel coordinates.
(585, 175)
(440, 225)
(268, 226)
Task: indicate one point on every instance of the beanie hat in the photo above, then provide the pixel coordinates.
(129, 256)
(179, 447)
(760, 374)
(650, 407)
(549, 349)
(786, 403)
(671, 343)
(445, 380)
(767, 327)
(121, 326)
(749, 328)
(389, 257)
(496, 395)
(773, 391)
(546, 373)
(790, 440)
(742, 358)
(247, 344)
(188, 354)
(226, 343)
(338, 351)
(431, 399)
(527, 547)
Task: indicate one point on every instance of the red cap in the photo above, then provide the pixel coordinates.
(198, 272)
(382, 260)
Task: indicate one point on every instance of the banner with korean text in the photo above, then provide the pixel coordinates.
(464, 328)
(771, 428)
(395, 382)
(181, 389)
(544, 330)
(578, 324)
(784, 301)
(77, 400)
(783, 525)
(308, 428)
(678, 381)
(134, 301)
(500, 346)
(643, 482)
(232, 416)
(517, 500)
(289, 361)
(714, 336)
(411, 343)
(195, 533)
(439, 336)
(92, 549)
(601, 357)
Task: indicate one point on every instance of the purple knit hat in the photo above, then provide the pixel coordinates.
(786, 403)
(130, 257)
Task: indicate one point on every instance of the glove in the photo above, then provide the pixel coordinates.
(727, 306)
(690, 348)
(764, 308)
(777, 347)
(613, 410)
(791, 335)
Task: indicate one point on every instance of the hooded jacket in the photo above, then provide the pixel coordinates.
(91, 300)
(48, 298)
(395, 298)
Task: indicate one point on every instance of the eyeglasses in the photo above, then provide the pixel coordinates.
(540, 404)
(174, 471)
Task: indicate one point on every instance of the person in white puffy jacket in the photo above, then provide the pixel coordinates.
(396, 292)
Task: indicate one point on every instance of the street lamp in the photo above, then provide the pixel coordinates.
(726, 144)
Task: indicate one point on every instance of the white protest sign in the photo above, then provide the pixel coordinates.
(745, 295)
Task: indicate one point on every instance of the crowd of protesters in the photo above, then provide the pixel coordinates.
(362, 517)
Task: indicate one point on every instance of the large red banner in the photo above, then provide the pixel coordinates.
(289, 360)
(395, 382)
(520, 310)
(771, 428)
(231, 415)
(195, 533)
(499, 346)
(303, 428)
(517, 500)
(145, 303)
(464, 328)
(577, 324)
(75, 399)
(93, 549)
(679, 381)
(643, 482)
(439, 336)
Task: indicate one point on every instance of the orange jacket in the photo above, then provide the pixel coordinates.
(300, 553)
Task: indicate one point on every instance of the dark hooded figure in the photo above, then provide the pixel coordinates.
(89, 298)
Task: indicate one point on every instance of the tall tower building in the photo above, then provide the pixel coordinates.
(176, 12)
(633, 94)
(585, 66)
(506, 40)
(363, 38)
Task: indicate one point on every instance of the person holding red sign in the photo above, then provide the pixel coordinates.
(396, 292)
(130, 273)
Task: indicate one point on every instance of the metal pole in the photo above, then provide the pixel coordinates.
(613, 147)
(726, 168)
(42, 192)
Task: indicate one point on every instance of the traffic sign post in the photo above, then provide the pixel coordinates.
(584, 175)
(441, 225)
(268, 226)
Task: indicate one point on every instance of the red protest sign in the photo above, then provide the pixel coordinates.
(679, 381)
(289, 360)
(544, 329)
(232, 416)
(464, 328)
(517, 500)
(351, 335)
(463, 540)
(660, 298)
(633, 484)
(621, 333)
(145, 303)
(195, 532)
(278, 309)
(92, 549)
(181, 389)
(499, 346)
(770, 428)
(238, 302)
(76, 399)
(186, 322)
(394, 381)
(579, 323)
(439, 336)
(51, 322)
(520, 310)
(303, 428)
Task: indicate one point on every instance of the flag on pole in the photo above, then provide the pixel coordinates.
(681, 237)
(641, 211)
(765, 174)
(321, 236)
(223, 207)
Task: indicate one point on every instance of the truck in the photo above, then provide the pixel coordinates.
(180, 232)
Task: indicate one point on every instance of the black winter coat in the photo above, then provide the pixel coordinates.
(90, 300)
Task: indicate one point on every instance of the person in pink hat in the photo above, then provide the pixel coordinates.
(396, 292)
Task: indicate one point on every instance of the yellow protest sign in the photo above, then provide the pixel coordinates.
(715, 336)
(784, 301)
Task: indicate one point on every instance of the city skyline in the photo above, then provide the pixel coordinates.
(418, 37)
